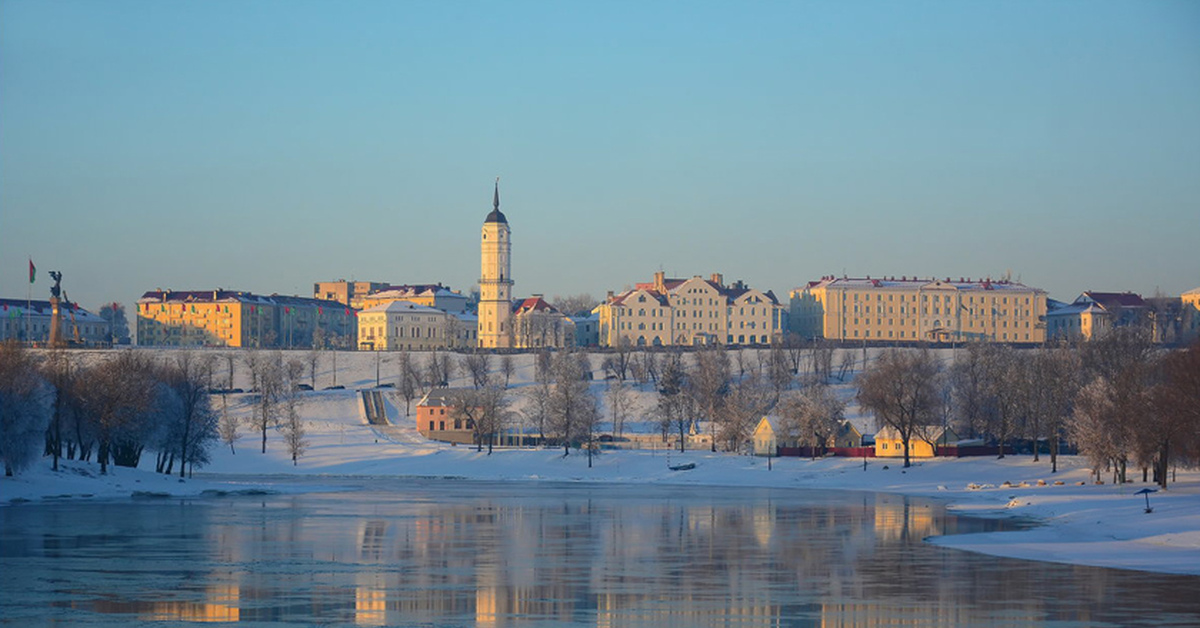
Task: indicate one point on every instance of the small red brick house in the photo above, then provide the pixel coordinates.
(435, 419)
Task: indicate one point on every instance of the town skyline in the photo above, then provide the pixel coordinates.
(251, 147)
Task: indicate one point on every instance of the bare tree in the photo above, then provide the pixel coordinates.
(292, 426)
(268, 372)
(575, 304)
(56, 370)
(537, 409)
(25, 408)
(483, 411)
(822, 360)
(543, 365)
(652, 363)
(619, 402)
(708, 384)
(572, 406)
(779, 370)
(227, 427)
(313, 359)
(793, 349)
(816, 415)
(747, 401)
(409, 379)
(676, 406)
(478, 366)
(1122, 371)
(900, 389)
(116, 397)
(845, 365)
(230, 368)
(508, 367)
(1178, 408)
(617, 364)
(195, 424)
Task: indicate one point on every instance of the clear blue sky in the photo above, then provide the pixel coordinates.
(266, 145)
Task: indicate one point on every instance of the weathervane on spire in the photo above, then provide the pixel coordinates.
(496, 198)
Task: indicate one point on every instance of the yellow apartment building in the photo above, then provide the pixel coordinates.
(918, 310)
(694, 311)
(227, 318)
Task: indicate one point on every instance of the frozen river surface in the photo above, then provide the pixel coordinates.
(453, 553)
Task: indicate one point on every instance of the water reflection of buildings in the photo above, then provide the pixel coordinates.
(491, 562)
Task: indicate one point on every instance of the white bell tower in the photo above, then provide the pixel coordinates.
(495, 280)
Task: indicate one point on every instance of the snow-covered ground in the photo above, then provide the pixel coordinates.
(1084, 523)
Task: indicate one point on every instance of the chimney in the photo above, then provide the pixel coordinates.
(610, 296)
(660, 283)
(716, 278)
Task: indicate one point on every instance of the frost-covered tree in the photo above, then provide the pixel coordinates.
(292, 425)
(25, 408)
(227, 426)
(116, 399)
(268, 373)
(812, 418)
(194, 424)
(114, 314)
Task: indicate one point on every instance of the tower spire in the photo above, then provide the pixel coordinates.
(496, 198)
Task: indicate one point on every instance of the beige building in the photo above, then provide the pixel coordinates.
(349, 293)
(403, 325)
(694, 311)
(1093, 314)
(495, 280)
(918, 310)
(538, 324)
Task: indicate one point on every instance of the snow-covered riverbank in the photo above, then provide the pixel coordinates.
(1100, 525)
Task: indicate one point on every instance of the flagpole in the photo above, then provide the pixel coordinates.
(29, 301)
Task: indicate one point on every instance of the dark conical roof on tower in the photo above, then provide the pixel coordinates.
(496, 215)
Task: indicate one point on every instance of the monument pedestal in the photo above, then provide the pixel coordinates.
(55, 323)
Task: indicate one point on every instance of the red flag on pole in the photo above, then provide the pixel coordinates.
(32, 270)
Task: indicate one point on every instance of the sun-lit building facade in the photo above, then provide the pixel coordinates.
(495, 280)
(694, 311)
(403, 325)
(228, 318)
(429, 295)
(910, 309)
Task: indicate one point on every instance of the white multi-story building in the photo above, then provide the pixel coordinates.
(403, 325)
